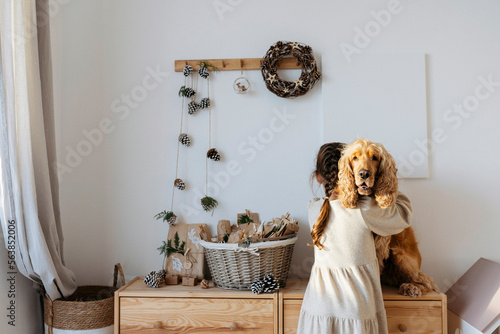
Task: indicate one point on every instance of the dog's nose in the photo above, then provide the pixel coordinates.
(364, 174)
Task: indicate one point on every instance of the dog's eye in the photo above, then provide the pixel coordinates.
(374, 158)
(354, 158)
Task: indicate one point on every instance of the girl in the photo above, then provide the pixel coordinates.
(344, 294)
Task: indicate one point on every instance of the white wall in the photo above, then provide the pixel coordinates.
(110, 197)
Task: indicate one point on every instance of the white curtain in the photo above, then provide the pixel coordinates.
(29, 198)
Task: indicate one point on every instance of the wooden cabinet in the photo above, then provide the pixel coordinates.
(425, 315)
(183, 309)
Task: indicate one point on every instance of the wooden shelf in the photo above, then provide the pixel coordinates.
(237, 64)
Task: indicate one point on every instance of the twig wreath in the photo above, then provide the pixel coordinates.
(304, 55)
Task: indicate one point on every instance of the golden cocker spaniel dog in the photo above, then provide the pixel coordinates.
(365, 169)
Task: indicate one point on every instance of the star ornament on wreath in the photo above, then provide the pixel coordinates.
(304, 55)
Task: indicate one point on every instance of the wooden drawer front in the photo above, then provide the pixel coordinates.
(191, 315)
(423, 317)
(291, 313)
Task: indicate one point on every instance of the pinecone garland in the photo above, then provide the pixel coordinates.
(184, 139)
(188, 69)
(257, 287)
(213, 154)
(193, 107)
(203, 72)
(179, 184)
(154, 280)
(204, 103)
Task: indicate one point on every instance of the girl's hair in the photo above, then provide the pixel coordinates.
(327, 170)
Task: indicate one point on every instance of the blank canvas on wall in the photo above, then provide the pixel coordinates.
(381, 97)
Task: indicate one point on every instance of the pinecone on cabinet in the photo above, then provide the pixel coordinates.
(257, 287)
(154, 280)
(270, 284)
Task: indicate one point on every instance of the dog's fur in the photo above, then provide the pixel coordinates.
(366, 168)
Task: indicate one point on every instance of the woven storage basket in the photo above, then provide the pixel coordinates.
(235, 267)
(90, 307)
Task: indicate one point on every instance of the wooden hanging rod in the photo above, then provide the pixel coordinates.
(237, 64)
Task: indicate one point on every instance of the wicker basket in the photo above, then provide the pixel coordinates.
(235, 267)
(89, 307)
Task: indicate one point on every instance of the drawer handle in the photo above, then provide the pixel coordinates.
(403, 328)
(157, 324)
(233, 326)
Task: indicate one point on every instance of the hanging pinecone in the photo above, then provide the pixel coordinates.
(213, 154)
(270, 284)
(204, 103)
(184, 139)
(209, 203)
(188, 69)
(192, 107)
(171, 220)
(179, 184)
(203, 72)
(257, 286)
(154, 280)
(186, 92)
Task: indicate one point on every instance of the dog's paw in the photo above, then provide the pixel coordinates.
(411, 290)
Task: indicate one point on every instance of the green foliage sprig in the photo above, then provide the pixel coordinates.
(167, 248)
(209, 203)
(208, 65)
(166, 215)
(244, 219)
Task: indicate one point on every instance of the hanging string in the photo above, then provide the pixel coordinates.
(209, 134)
(178, 146)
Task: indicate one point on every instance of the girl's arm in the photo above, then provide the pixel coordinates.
(389, 221)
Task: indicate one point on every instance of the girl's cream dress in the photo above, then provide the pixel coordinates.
(344, 293)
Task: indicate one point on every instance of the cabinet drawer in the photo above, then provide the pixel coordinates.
(291, 313)
(424, 317)
(193, 315)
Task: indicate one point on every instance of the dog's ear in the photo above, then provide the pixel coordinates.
(346, 186)
(386, 188)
